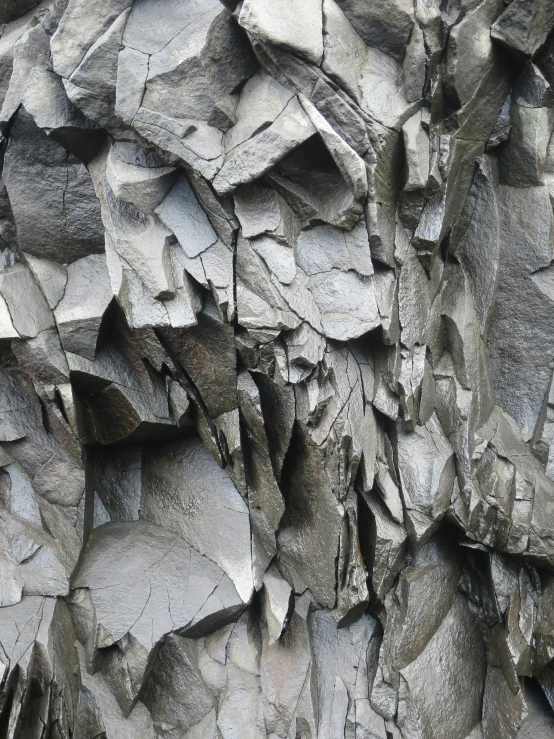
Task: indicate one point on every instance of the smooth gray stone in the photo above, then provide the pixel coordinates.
(46, 100)
(196, 143)
(470, 50)
(343, 663)
(479, 247)
(520, 366)
(107, 715)
(384, 26)
(277, 603)
(152, 26)
(136, 180)
(497, 698)
(521, 162)
(51, 276)
(43, 357)
(187, 593)
(261, 101)
(309, 534)
(29, 52)
(181, 212)
(86, 297)
(207, 60)
(257, 210)
(37, 169)
(532, 88)
(79, 29)
(175, 692)
(286, 25)
(182, 490)
(276, 356)
(97, 71)
(207, 353)
(255, 156)
(25, 302)
(459, 637)
(413, 66)
(426, 470)
(285, 673)
(132, 72)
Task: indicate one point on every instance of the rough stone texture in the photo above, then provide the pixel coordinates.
(276, 362)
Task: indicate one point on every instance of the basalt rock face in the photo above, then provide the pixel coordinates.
(276, 358)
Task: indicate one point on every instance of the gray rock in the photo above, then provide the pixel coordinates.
(25, 302)
(16, 8)
(175, 692)
(522, 160)
(413, 66)
(478, 248)
(277, 603)
(199, 65)
(532, 88)
(299, 30)
(181, 212)
(165, 597)
(257, 210)
(37, 169)
(276, 359)
(426, 471)
(470, 51)
(86, 298)
(249, 160)
(30, 51)
(132, 72)
(135, 178)
(522, 287)
(42, 357)
(524, 26)
(46, 100)
(76, 35)
(384, 26)
(51, 276)
(92, 86)
(309, 534)
(182, 490)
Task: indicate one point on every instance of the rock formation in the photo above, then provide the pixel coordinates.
(276, 359)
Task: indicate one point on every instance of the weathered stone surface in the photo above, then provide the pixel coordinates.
(77, 32)
(198, 66)
(86, 297)
(276, 362)
(182, 490)
(524, 26)
(384, 26)
(250, 159)
(285, 24)
(187, 593)
(37, 170)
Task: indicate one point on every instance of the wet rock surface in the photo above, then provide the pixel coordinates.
(276, 361)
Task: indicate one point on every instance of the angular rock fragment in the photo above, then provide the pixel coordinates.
(174, 589)
(253, 157)
(284, 24)
(86, 297)
(524, 26)
(184, 490)
(36, 169)
(204, 58)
